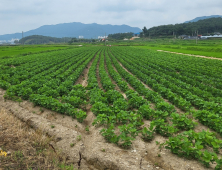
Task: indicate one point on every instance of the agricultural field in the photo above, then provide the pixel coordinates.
(15, 51)
(127, 107)
(209, 48)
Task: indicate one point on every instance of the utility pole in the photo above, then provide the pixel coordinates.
(22, 38)
(197, 37)
(105, 38)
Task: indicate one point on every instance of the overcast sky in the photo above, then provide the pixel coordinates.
(24, 15)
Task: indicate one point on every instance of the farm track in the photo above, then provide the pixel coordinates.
(213, 58)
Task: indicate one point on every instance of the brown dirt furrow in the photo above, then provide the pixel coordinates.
(198, 128)
(130, 87)
(152, 105)
(178, 110)
(84, 76)
(116, 86)
(191, 55)
(97, 74)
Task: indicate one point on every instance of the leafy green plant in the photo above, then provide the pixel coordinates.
(191, 144)
(101, 108)
(147, 134)
(128, 134)
(80, 115)
(164, 106)
(182, 121)
(146, 111)
(163, 128)
(109, 134)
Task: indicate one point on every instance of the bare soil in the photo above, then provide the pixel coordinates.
(27, 148)
(97, 74)
(130, 87)
(84, 76)
(113, 82)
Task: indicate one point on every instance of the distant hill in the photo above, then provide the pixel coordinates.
(204, 17)
(204, 27)
(74, 29)
(39, 39)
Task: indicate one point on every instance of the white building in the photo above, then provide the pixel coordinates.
(9, 41)
(213, 36)
(102, 37)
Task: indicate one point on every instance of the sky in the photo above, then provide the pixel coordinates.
(24, 15)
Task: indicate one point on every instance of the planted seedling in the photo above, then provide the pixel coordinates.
(79, 137)
(87, 128)
(72, 144)
(41, 110)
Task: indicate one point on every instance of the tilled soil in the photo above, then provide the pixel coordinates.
(84, 76)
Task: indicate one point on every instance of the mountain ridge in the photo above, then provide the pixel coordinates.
(74, 29)
(203, 17)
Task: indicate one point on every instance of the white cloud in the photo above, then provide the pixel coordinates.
(23, 15)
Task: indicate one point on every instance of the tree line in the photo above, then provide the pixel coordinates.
(203, 27)
(120, 36)
(39, 39)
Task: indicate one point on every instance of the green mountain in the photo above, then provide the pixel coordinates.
(204, 17)
(39, 39)
(74, 29)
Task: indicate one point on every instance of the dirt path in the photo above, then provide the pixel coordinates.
(190, 55)
(84, 76)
